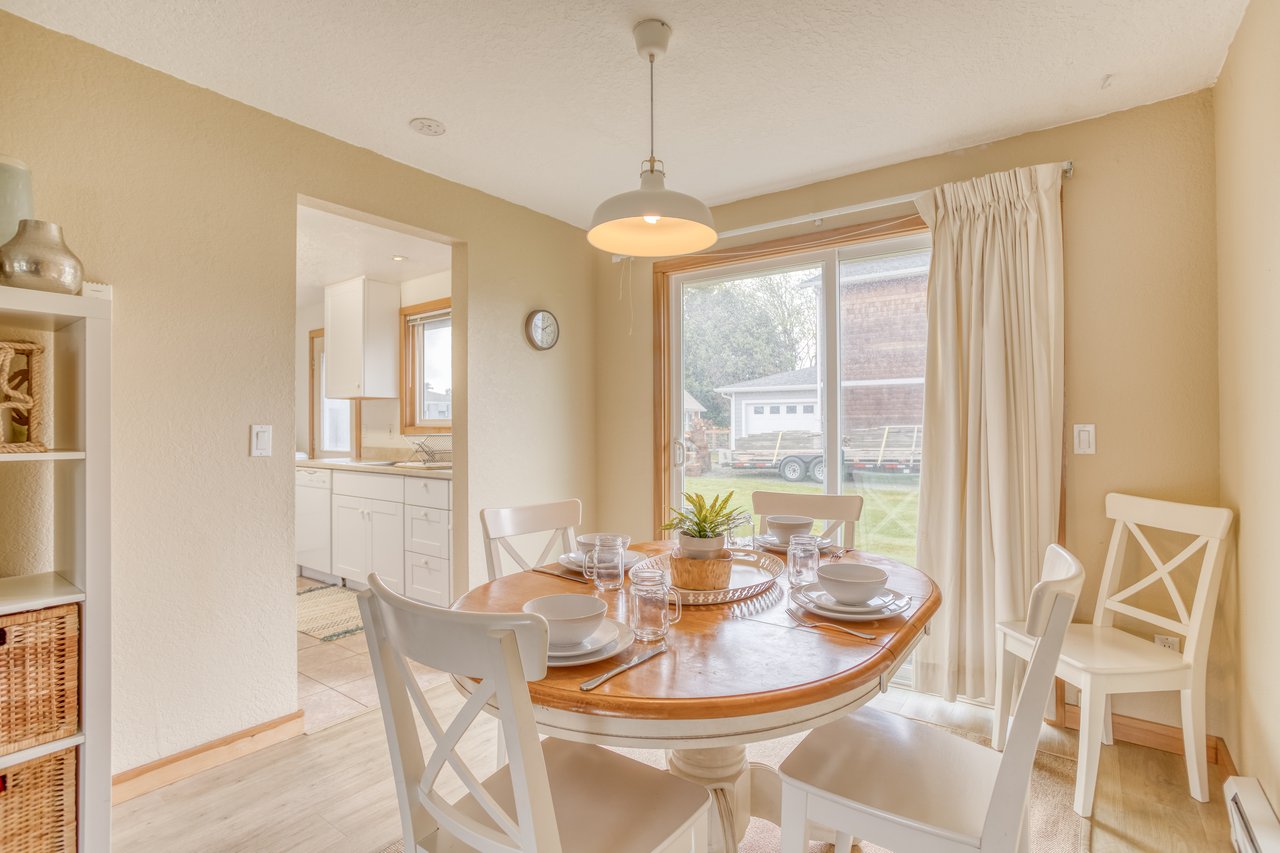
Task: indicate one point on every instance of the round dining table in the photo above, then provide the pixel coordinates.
(733, 674)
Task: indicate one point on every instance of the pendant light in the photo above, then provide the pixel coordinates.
(653, 221)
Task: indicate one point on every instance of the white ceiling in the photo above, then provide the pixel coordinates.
(545, 101)
(333, 248)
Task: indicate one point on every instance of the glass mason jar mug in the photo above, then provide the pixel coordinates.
(648, 610)
(802, 560)
(606, 563)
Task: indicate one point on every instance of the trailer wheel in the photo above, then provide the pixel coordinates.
(817, 470)
(792, 469)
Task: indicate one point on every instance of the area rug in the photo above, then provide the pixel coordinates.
(1055, 828)
(328, 612)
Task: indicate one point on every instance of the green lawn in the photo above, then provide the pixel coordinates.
(889, 510)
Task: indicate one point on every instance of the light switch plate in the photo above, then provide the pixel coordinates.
(260, 440)
(1086, 439)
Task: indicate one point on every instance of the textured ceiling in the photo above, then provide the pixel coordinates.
(333, 248)
(545, 100)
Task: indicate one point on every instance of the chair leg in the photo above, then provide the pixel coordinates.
(1193, 743)
(795, 824)
(1092, 711)
(1004, 694)
(1107, 737)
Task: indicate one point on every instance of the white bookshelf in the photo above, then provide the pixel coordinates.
(79, 361)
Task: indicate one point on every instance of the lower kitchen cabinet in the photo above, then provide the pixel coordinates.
(427, 578)
(368, 537)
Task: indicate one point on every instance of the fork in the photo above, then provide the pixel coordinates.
(794, 614)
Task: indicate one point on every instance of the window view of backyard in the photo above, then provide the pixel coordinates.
(753, 413)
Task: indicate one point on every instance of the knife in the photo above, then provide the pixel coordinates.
(565, 575)
(601, 679)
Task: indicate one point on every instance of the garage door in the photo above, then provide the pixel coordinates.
(778, 417)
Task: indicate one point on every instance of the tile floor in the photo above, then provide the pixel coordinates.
(335, 678)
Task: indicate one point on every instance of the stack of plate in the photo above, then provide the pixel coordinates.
(576, 559)
(610, 638)
(772, 543)
(814, 599)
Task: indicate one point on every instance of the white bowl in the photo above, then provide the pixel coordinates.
(786, 526)
(571, 618)
(587, 541)
(852, 583)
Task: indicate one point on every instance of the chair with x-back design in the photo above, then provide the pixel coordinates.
(553, 796)
(1102, 660)
(560, 519)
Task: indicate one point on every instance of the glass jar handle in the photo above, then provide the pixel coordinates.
(676, 596)
(589, 564)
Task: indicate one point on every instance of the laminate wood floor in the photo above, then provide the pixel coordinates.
(331, 792)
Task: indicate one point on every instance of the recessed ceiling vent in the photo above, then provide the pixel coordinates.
(427, 126)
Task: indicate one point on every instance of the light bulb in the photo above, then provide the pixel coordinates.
(652, 220)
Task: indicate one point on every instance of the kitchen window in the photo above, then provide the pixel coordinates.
(426, 339)
(332, 422)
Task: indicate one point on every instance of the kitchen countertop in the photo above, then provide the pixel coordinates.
(340, 465)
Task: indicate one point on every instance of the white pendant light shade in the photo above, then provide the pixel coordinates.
(652, 222)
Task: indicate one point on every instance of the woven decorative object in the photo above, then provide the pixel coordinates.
(21, 389)
(39, 677)
(690, 573)
(38, 805)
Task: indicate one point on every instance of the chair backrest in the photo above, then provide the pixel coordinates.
(560, 519)
(502, 652)
(837, 511)
(1209, 525)
(1053, 601)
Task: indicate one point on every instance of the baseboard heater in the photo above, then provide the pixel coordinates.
(1254, 828)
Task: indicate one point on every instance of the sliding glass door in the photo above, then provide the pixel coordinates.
(781, 367)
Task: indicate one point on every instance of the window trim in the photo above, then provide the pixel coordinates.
(664, 273)
(357, 435)
(408, 388)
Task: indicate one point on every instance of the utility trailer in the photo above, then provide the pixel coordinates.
(795, 455)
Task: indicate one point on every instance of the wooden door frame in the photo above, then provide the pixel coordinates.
(357, 437)
(663, 273)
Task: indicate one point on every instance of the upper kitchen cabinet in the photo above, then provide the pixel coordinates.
(361, 329)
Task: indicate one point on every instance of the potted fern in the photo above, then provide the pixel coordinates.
(703, 526)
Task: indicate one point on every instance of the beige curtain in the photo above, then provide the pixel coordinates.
(989, 490)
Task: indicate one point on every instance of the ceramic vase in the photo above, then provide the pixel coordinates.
(701, 549)
(38, 259)
(15, 196)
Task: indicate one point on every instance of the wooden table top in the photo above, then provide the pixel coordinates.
(723, 660)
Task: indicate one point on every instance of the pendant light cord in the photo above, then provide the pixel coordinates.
(651, 160)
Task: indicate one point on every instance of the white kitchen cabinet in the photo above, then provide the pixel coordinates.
(367, 538)
(426, 531)
(361, 339)
(427, 579)
(312, 520)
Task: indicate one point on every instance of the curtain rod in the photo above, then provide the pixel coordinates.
(816, 218)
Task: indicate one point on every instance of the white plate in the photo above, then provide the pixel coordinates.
(770, 542)
(886, 600)
(603, 636)
(805, 603)
(575, 559)
(625, 638)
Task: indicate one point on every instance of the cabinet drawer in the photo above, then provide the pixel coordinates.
(422, 491)
(427, 579)
(380, 487)
(312, 477)
(426, 531)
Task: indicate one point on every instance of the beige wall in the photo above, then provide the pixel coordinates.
(1248, 155)
(1141, 324)
(185, 201)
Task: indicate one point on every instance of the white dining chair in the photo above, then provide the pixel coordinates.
(552, 795)
(1103, 660)
(560, 519)
(910, 786)
(839, 512)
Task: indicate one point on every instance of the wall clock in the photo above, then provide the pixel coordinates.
(542, 329)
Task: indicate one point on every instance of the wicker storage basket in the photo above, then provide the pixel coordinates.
(39, 677)
(38, 805)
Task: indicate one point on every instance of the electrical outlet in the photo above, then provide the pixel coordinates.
(1171, 643)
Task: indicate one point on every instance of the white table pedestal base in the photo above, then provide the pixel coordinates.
(740, 789)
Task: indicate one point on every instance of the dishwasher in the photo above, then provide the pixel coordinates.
(312, 523)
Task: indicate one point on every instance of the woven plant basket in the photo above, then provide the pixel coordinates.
(38, 805)
(39, 677)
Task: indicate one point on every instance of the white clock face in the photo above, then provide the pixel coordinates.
(544, 329)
